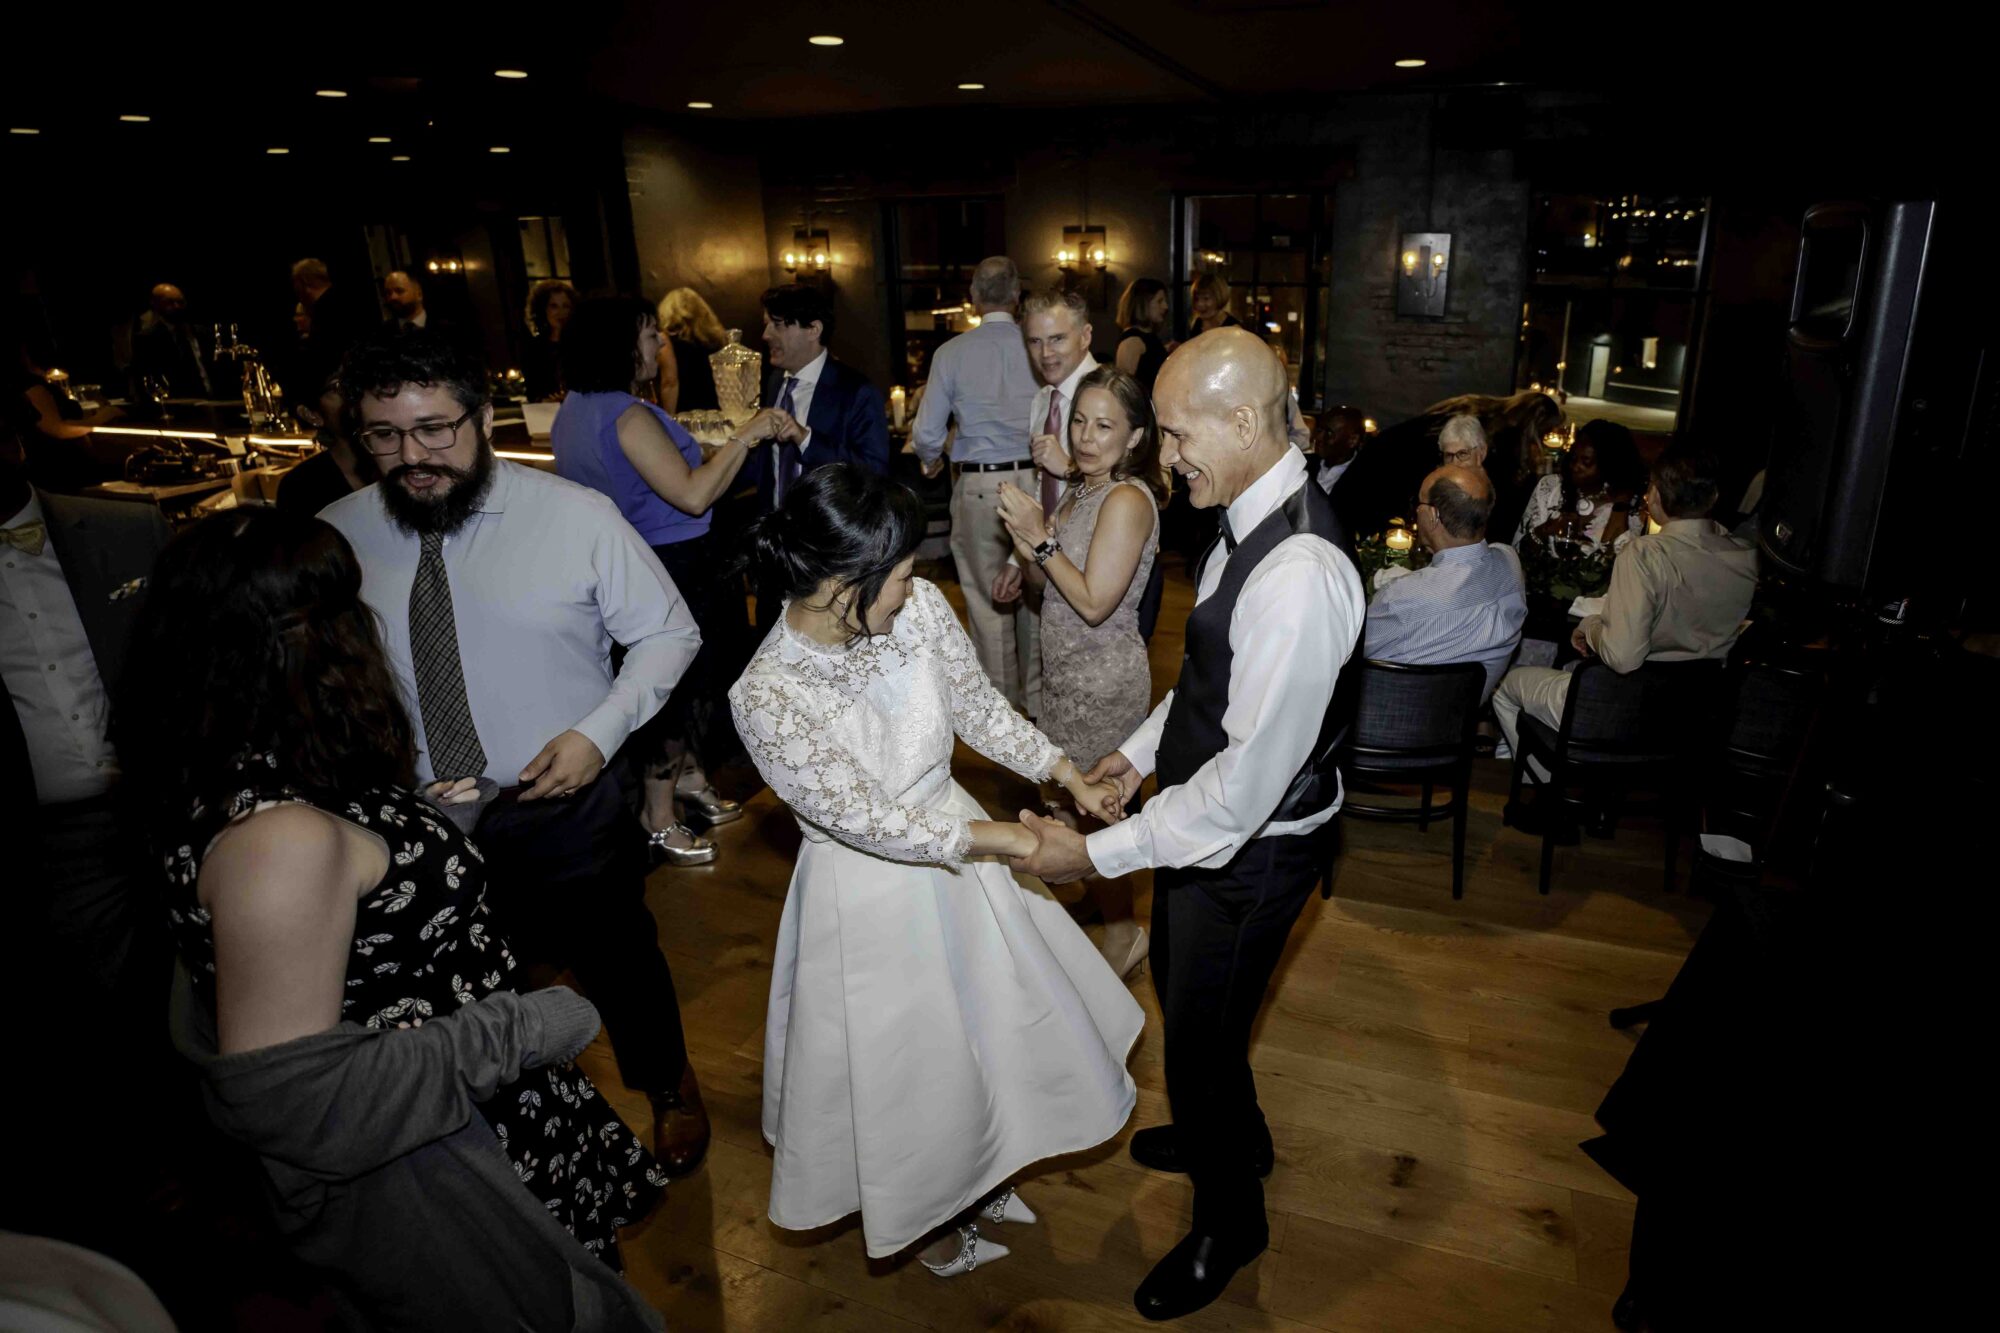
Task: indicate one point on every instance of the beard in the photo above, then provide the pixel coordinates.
(433, 513)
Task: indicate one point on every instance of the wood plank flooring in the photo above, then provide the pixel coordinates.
(1428, 1068)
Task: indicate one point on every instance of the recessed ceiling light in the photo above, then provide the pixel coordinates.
(400, 157)
(277, 152)
(135, 120)
(378, 138)
(827, 41)
(330, 92)
(972, 87)
(701, 106)
(23, 129)
(499, 148)
(510, 73)
(1411, 64)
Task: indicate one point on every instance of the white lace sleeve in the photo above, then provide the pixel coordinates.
(827, 788)
(980, 714)
(1543, 504)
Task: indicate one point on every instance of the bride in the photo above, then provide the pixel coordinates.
(935, 1025)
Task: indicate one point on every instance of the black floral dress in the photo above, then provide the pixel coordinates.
(424, 944)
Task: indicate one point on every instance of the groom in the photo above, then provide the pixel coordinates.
(1247, 788)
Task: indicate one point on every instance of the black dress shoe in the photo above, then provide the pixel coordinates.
(1533, 820)
(1160, 1149)
(1194, 1273)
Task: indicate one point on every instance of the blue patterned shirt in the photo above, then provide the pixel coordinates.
(1467, 605)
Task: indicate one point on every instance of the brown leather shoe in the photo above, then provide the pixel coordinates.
(680, 1127)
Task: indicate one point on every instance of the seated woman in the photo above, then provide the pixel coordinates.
(1096, 685)
(349, 1002)
(935, 1026)
(1590, 496)
(607, 438)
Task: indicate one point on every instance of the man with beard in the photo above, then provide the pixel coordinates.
(501, 591)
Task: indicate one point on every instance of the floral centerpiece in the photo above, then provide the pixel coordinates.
(1391, 550)
(1570, 571)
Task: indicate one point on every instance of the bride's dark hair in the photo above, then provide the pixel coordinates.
(843, 523)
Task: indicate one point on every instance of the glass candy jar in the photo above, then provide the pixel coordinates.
(739, 379)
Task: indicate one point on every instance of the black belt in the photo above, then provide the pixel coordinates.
(957, 468)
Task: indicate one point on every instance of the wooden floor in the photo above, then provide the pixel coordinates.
(1428, 1069)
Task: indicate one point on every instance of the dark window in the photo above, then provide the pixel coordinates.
(933, 246)
(1271, 250)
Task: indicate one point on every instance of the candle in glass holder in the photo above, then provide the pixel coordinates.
(1398, 539)
(896, 405)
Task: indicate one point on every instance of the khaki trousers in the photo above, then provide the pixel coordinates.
(1008, 639)
(1540, 692)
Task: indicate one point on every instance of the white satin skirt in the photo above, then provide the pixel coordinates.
(932, 1032)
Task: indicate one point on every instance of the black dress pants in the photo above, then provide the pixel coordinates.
(568, 881)
(1217, 938)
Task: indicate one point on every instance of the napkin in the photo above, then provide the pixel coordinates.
(1587, 606)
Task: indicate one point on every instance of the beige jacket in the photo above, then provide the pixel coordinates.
(1676, 595)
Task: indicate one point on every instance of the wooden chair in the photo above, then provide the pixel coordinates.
(1414, 724)
(1643, 731)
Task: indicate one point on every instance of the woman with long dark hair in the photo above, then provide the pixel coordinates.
(551, 302)
(1590, 496)
(1095, 559)
(345, 994)
(607, 438)
(935, 1026)
(1143, 311)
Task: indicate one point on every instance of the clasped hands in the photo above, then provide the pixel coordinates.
(771, 424)
(1027, 527)
(1060, 854)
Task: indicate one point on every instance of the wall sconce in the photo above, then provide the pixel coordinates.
(811, 252)
(445, 264)
(1421, 270)
(1082, 247)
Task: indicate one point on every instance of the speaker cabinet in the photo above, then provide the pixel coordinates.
(1888, 374)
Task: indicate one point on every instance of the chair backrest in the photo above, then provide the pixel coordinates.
(1770, 713)
(1413, 712)
(1664, 710)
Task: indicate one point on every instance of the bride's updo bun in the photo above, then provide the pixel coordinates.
(839, 522)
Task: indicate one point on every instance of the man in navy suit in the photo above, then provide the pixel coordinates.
(829, 412)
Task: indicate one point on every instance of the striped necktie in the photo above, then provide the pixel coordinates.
(449, 734)
(788, 465)
(1051, 484)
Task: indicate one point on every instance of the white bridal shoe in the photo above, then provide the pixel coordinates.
(973, 1250)
(1009, 1207)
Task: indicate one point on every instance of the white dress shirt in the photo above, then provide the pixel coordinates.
(1296, 621)
(51, 674)
(802, 398)
(1066, 393)
(545, 577)
(1329, 474)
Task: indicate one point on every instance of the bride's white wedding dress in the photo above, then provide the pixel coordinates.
(935, 1024)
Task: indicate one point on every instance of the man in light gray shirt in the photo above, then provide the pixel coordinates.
(982, 382)
(1469, 603)
(500, 591)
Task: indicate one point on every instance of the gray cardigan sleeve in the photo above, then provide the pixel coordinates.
(340, 1103)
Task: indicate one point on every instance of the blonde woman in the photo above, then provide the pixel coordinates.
(1208, 299)
(687, 383)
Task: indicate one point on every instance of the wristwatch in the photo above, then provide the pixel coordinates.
(1048, 548)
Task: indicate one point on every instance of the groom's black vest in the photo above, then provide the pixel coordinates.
(1193, 734)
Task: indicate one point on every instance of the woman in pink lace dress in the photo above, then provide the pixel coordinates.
(1093, 561)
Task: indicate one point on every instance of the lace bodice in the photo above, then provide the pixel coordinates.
(857, 741)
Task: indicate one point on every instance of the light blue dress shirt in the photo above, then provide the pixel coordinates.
(982, 379)
(1467, 605)
(545, 577)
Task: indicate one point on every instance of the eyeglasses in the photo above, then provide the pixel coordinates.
(382, 441)
(1460, 457)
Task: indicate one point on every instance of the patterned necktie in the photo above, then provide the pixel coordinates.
(1051, 485)
(449, 734)
(788, 463)
(29, 537)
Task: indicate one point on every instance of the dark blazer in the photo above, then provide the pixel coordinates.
(848, 420)
(105, 546)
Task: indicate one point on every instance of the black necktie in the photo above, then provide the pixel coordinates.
(1228, 533)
